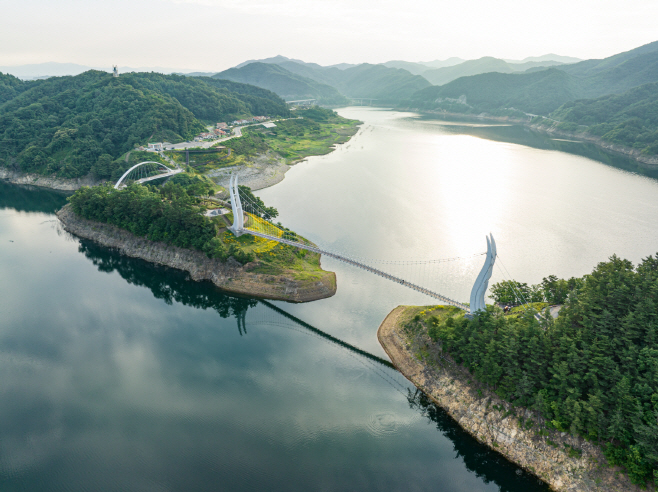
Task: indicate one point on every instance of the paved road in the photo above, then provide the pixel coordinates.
(237, 132)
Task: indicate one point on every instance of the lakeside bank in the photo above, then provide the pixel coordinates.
(548, 127)
(230, 276)
(52, 182)
(564, 462)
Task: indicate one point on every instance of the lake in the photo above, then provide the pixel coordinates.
(120, 375)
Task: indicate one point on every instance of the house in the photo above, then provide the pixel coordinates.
(155, 147)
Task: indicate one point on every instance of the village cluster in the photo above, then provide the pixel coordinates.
(224, 129)
(221, 130)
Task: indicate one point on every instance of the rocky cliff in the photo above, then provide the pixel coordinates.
(45, 181)
(230, 276)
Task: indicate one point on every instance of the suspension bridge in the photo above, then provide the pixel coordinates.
(255, 221)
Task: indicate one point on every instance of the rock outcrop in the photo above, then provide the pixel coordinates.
(229, 276)
(45, 181)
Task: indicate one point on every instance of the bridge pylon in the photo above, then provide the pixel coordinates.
(482, 280)
(236, 205)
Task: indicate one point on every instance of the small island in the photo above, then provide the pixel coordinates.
(572, 399)
(171, 225)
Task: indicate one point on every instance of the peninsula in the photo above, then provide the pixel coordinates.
(570, 399)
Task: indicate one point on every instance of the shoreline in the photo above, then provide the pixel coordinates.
(649, 163)
(231, 277)
(492, 421)
(259, 172)
(54, 183)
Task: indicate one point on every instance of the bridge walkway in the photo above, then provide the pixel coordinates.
(358, 264)
(160, 176)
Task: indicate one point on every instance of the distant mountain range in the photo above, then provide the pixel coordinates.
(295, 80)
(614, 99)
(288, 85)
(567, 90)
(543, 91)
(387, 83)
(443, 75)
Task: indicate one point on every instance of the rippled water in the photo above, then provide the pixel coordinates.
(119, 375)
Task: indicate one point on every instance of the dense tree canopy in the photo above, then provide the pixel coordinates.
(629, 119)
(592, 372)
(10, 87)
(170, 213)
(65, 125)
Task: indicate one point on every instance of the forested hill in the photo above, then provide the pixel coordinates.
(541, 92)
(377, 81)
(386, 84)
(536, 92)
(591, 372)
(10, 87)
(288, 85)
(63, 126)
(629, 119)
(329, 85)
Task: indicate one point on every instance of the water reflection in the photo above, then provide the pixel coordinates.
(490, 466)
(171, 285)
(30, 198)
(522, 135)
(174, 286)
(165, 283)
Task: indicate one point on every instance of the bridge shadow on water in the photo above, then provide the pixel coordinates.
(172, 285)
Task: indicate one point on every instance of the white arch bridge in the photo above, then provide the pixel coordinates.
(146, 171)
(254, 221)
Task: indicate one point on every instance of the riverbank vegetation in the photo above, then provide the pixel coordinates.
(592, 372)
(312, 131)
(629, 119)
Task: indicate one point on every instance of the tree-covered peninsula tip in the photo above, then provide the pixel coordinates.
(591, 372)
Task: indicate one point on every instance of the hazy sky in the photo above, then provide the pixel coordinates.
(214, 35)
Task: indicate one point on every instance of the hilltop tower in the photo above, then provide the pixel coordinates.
(115, 71)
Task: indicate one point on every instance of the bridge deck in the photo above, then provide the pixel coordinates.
(363, 266)
(158, 176)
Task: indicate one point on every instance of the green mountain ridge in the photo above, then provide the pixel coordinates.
(71, 126)
(387, 85)
(441, 76)
(543, 91)
(288, 85)
(629, 119)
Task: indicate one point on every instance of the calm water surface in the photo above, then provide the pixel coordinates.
(118, 375)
